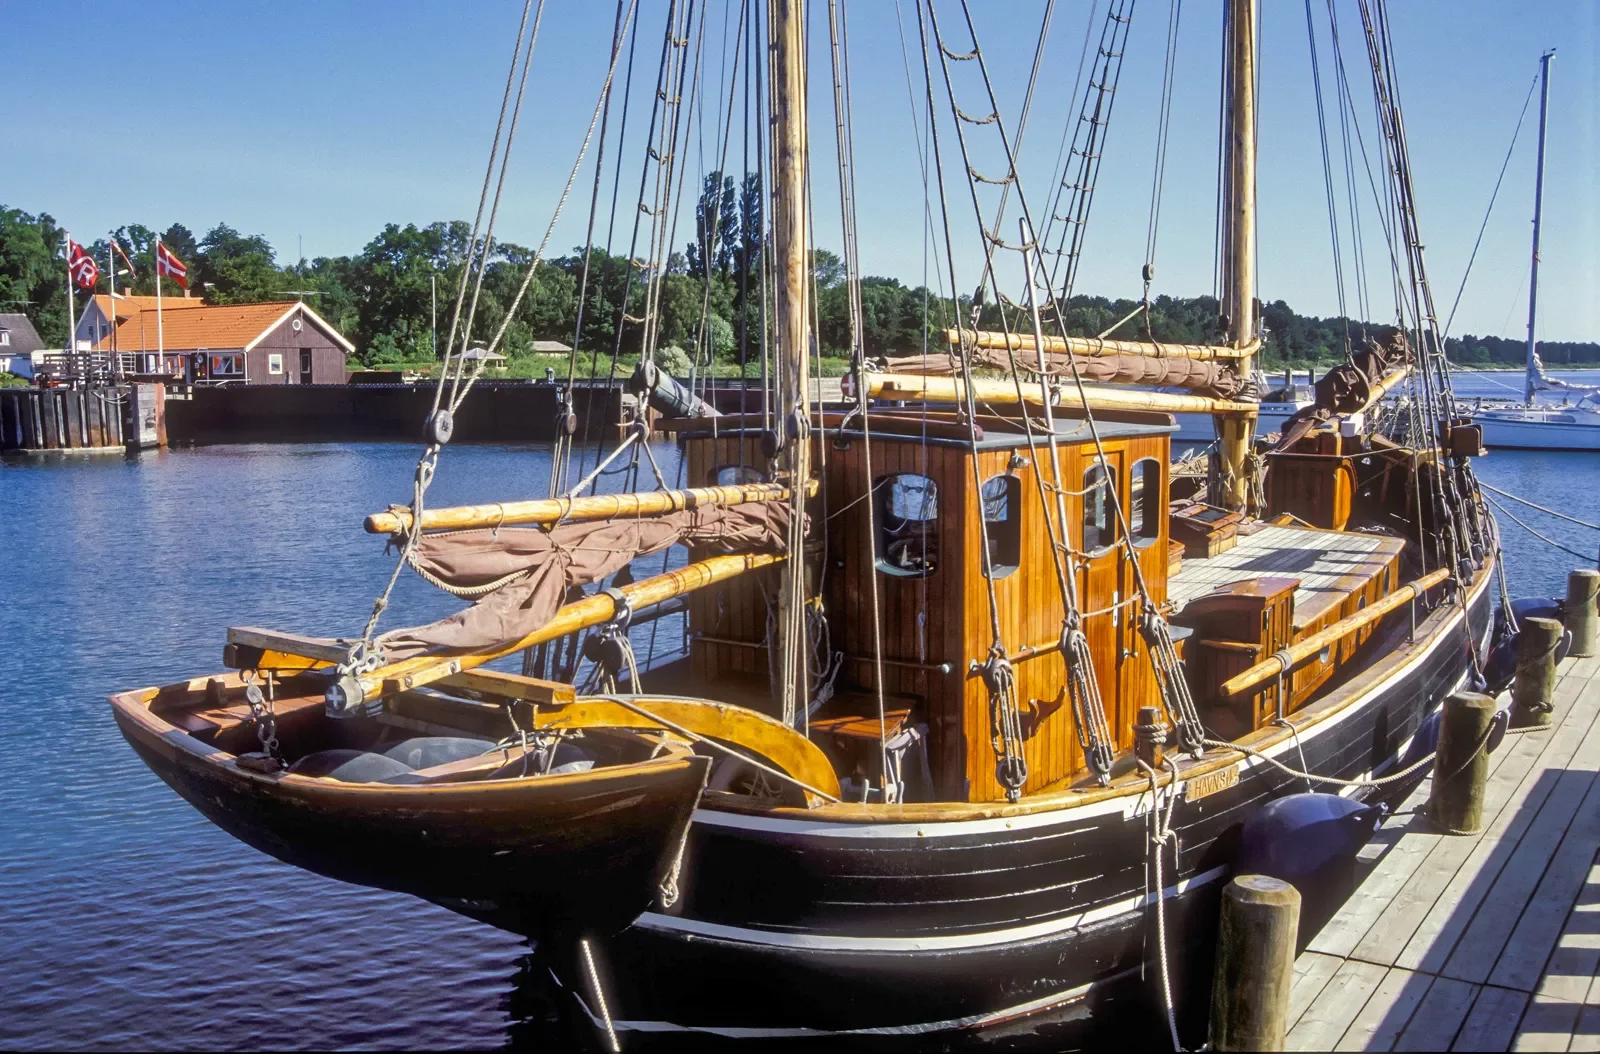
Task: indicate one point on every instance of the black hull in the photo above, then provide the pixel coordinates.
(543, 853)
(984, 928)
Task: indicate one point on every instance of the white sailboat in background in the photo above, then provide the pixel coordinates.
(1532, 426)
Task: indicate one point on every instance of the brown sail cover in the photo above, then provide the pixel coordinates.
(543, 565)
(1348, 388)
(1208, 378)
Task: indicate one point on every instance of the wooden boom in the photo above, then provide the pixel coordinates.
(425, 669)
(594, 507)
(951, 390)
(1097, 347)
(1300, 651)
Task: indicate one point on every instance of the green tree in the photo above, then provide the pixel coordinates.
(231, 268)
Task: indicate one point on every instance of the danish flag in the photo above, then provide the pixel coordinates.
(81, 266)
(171, 266)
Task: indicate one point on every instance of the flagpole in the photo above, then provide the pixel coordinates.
(160, 345)
(111, 303)
(72, 313)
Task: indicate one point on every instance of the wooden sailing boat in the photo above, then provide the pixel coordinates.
(1054, 691)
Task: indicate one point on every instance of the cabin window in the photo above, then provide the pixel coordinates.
(1099, 523)
(275, 364)
(733, 475)
(1002, 523)
(908, 508)
(1145, 504)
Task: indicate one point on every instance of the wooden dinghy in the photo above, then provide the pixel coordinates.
(543, 833)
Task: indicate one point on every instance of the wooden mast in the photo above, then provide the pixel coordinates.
(1239, 82)
(786, 28)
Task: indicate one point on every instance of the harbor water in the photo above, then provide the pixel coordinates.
(127, 920)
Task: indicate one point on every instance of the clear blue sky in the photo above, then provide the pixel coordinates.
(323, 121)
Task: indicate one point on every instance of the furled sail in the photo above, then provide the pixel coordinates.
(1350, 388)
(520, 575)
(1216, 379)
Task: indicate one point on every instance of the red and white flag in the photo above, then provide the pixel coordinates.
(81, 266)
(171, 266)
(122, 253)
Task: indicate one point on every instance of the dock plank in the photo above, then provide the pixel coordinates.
(1384, 1017)
(1502, 908)
(1403, 915)
(1530, 945)
(1312, 972)
(1324, 1022)
(1547, 1024)
(1586, 1033)
(1492, 1022)
(1439, 1017)
(1437, 935)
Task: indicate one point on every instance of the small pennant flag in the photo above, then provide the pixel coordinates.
(81, 266)
(120, 252)
(171, 266)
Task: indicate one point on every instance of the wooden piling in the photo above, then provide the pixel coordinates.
(1255, 964)
(1535, 683)
(1461, 769)
(1582, 617)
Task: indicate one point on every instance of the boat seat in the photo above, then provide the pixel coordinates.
(396, 761)
(350, 766)
(424, 752)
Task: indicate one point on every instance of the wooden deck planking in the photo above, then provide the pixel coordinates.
(1486, 942)
(1322, 560)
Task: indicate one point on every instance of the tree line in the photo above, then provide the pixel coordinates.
(385, 298)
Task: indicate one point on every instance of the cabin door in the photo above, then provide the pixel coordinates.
(1105, 583)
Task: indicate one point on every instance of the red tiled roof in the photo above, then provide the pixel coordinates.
(195, 324)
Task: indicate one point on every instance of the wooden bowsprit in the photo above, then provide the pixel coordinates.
(356, 688)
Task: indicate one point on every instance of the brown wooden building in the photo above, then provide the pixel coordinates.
(280, 342)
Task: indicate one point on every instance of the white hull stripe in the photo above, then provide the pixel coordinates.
(972, 1021)
(933, 942)
(1127, 805)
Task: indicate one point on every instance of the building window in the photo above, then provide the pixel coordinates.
(305, 365)
(1145, 502)
(5, 340)
(1002, 523)
(733, 475)
(1099, 526)
(908, 538)
(275, 364)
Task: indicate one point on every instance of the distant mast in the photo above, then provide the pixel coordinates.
(1531, 380)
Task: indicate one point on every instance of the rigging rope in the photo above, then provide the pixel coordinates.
(1585, 557)
(1490, 210)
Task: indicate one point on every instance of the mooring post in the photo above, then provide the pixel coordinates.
(1255, 964)
(1535, 684)
(1461, 769)
(1581, 616)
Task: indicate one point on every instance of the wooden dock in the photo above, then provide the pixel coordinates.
(1481, 942)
